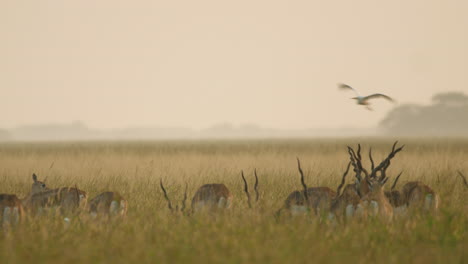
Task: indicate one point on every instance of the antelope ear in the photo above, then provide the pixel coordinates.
(34, 177)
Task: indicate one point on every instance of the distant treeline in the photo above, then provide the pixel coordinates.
(447, 115)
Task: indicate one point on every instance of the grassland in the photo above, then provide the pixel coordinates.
(151, 234)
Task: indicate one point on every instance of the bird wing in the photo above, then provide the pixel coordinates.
(372, 96)
(345, 86)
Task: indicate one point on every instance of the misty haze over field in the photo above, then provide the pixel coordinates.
(447, 115)
(230, 69)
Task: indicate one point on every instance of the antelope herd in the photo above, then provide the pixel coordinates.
(65, 201)
(363, 198)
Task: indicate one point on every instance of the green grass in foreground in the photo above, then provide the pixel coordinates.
(151, 234)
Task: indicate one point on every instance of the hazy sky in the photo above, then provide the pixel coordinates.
(197, 63)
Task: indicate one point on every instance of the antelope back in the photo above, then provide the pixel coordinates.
(319, 199)
(211, 197)
(66, 199)
(375, 203)
(108, 204)
(395, 198)
(420, 196)
(11, 210)
(346, 203)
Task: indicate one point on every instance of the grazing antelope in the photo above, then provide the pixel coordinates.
(396, 199)
(246, 188)
(11, 210)
(108, 204)
(67, 199)
(345, 204)
(316, 198)
(414, 196)
(420, 197)
(211, 197)
(367, 191)
(169, 204)
(394, 196)
(375, 203)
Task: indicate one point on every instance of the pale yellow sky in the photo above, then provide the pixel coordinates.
(197, 63)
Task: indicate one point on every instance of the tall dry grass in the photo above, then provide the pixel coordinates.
(151, 234)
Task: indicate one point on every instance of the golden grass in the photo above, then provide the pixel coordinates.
(151, 234)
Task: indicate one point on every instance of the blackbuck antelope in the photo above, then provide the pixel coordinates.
(11, 210)
(208, 198)
(169, 203)
(317, 199)
(66, 199)
(211, 197)
(246, 188)
(414, 196)
(346, 203)
(375, 202)
(366, 194)
(108, 204)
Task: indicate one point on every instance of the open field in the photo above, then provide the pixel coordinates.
(151, 234)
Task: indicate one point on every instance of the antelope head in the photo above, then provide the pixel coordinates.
(38, 186)
(169, 203)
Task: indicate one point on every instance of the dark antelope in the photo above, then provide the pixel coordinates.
(317, 199)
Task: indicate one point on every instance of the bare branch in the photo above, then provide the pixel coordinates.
(185, 198)
(246, 190)
(396, 180)
(169, 204)
(463, 178)
(256, 186)
(306, 195)
(343, 180)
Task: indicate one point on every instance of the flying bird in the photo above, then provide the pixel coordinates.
(364, 100)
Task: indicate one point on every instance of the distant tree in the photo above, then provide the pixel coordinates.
(448, 115)
(450, 98)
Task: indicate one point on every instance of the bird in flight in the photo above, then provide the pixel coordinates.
(364, 100)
